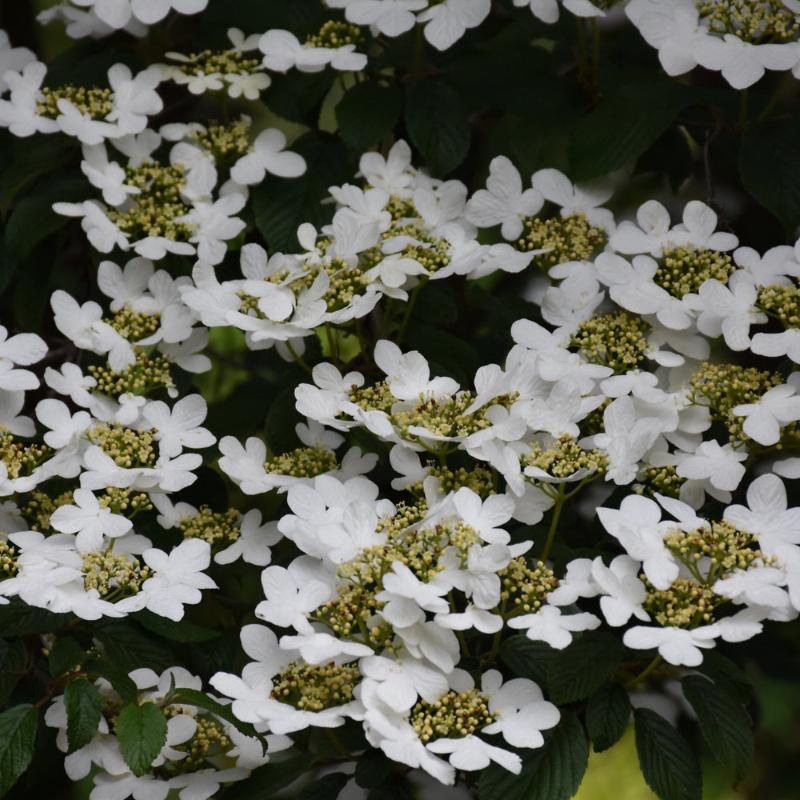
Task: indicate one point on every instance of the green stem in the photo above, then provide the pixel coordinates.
(298, 358)
(401, 333)
(551, 533)
(744, 105)
(653, 665)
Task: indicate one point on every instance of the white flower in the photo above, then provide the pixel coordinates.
(503, 201)
(89, 520)
(23, 349)
(485, 517)
(730, 310)
(12, 59)
(774, 409)
(573, 199)
(550, 625)
(408, 375)
(401, 680)
(675, 645)
(254, 541)
(389, 17)
(622, 593)
(450, 20)
(292, 593)
(720, 465)
(179, 426)
(268, 154)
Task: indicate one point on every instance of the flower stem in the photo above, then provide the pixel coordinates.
(653, 665)
(551, 533)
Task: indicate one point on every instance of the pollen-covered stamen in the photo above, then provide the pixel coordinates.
(218, 528)
(480, 479)
(113, 575)
(124, 500)
(377, 397)
(617, 340)
(525, 586)
(334, 34)
(781, 303)
(725, 546)
(150, 371)
(663, 480)
(565, 457)
(219, 62)
(311, 687)
(453, 716)
(224, 141)
(683, 270)
(686, 604)
(8, 560)
(210, 740)
(571, 238)
(755, 21)
(354, 611)
(303, 462)
(155, 210)
(93, 101)
(128, 448)
(40, 507)
(21, 458)
(134, 325)
(722, 387)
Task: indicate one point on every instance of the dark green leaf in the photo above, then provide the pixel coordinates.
(17, 738)
(32, 158)
(327, 787)
(280, 422)
(182, 631)
(84, 710)
(141, 732)
(727, 674)
(553, 772)
(395, 787)
(607, 715)
(769, 164)
(65, 656)
(623, 126)
(723, 721)
(281, 205)
(668, 763)
(273, 777)
(115, 675)
(19, 619)
(128, 648)
(14, 663)
(368, 112)
(527, 659)
(372, 768)
(437, 125)
(580, 669)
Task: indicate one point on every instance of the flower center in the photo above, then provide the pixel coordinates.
(95, 102)
(113, 574)
(334, 34)
(685, 269)
(525, 586)
(571, 238)
(20, 458)
(565, 457)
(8, 560)
(219, 62)
(224, 141)
(215, 527)
(128, 448)
(303, 462)
(454, 715)
(148, 372)
(134, 325)
(618, 340)
(781, 303)
(756, 21)
(310, 687)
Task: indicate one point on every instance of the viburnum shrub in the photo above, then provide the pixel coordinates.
(394, 393)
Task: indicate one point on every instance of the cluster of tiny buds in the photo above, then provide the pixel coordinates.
(93, 101)
(686, 604)
(564, 457)
(156, 209)
(122, 500)
(148, 372)
(210, 739)
(127, 447)
(722, 387)
(479, 479)
(684, 270)
(663, 480)
(571, 238)
(334, 34)
(215, 527)
(8, 560)
(316, 687)
(224, 141)
(218, 62)
(454, 715)
(134, 325)
(117, 574)
(525, 586)
(756, 21)
(781, 303)
(617, 340)
(302, 462)
(353, 611)
(20, 458)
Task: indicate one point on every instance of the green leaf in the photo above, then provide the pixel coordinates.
(33, 218)
(31, 159)
(14, 663)
(553, 772)
(183, 631)
(580, 669)
(267, 780)
(727, 675)
(328, 787)
(668, 763)
(372, 768)
(769, 165)
(723, 721)
(607, 714)
(116, 676)
(623, 126)
(128, 648)
(17, 738)
(527, 659)
(367, 113)
(281, 205)
(19, 619)
(84, 711)
(437, 124)
(65, 656)
(395, 787)
(281, 420)
(141, 732)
